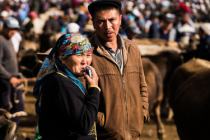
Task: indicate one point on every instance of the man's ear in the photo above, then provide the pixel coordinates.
(94, 24)
(120, 19)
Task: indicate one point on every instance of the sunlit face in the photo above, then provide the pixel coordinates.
(107, 23)
(76, 63)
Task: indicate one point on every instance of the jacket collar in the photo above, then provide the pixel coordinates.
(102, 51)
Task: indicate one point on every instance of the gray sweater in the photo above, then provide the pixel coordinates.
(8, 59)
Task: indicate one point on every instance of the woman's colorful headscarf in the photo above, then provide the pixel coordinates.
(70, 44)
(67, 44)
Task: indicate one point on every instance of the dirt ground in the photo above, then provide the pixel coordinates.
(149, 132)
(26, 129)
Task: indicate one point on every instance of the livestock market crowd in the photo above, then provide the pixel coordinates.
(39, 23)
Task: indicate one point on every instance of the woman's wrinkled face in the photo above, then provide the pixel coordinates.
(77, 62)
(107, 23)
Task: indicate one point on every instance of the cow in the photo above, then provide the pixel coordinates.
(29, 66)
(29, 63)
(166, 61)
(155, 90)
(190, 99)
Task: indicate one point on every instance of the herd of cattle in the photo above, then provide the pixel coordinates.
(181, 84)
(173, 83)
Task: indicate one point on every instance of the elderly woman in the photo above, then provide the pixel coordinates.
(66, 108)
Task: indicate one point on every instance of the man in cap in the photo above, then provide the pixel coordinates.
(9, 80)
(167, 30)
(124, 97)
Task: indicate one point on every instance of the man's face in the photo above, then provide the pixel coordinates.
(107, 23)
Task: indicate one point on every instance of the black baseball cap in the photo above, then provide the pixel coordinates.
(101, 3)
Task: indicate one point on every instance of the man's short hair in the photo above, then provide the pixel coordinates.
(101, 4)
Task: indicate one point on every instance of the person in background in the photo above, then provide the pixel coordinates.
(11, 98)
(16, 41)
(82, 18)
(66, 108)
(167, 30)
(203, 48)
(153, 30)
(185, 27)
(123, 104)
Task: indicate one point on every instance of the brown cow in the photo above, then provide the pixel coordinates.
(190, 99)
(166, 61)
(155, 90)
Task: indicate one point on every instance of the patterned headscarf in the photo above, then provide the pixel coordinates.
(70, 44)
(67, 44)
